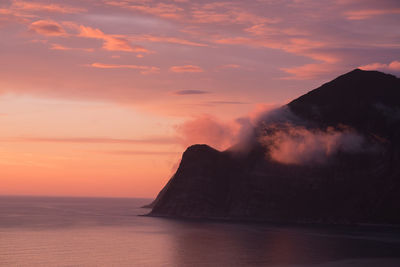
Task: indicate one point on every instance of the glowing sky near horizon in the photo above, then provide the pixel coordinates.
(100, 98)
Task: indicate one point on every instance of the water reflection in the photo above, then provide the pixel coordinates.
(224, 244)
(107, 232)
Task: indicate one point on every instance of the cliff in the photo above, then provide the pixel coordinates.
(360, 184)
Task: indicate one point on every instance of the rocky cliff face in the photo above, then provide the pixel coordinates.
(358, 186)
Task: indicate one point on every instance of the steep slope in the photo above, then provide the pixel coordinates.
(361, 186)
(368, 101)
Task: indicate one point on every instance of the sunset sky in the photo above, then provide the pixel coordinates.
(100, 98)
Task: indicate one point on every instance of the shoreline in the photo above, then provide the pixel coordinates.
(275, 222)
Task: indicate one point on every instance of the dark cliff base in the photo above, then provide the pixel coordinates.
(350, 188)
(280, 223)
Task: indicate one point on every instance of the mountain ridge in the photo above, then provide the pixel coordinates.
(349, 187)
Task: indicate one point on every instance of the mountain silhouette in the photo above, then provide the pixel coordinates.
(344, 145)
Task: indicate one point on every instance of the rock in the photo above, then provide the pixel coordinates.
(358, 187)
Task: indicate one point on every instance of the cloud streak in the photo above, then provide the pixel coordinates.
(284, 136)
(97, 140)
(167, 39)
(220, 134)
(44, 7)
(290, 144)
(111, 42)
(393, 66)
(142, 69)
(163, 10)
(206, 129)
(221, 102)
(190, 92)
(139, 152)
(370, 13)
(55, 46)
(47, 27)
(186, 68)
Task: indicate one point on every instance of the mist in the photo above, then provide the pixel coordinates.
(290, 144)
(286, 138)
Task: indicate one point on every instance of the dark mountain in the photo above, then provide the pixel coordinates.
(364, 100)
(350, 186)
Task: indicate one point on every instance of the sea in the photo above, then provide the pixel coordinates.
(70, 231)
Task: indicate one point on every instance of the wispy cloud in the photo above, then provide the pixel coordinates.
(229, 66)
(310, 71)
(97, 140)
(139, 152)
(167, 39)
(213, 40)
(186, 68)
(227, 102)
(392, 66)
(190, 92)
(45, 7)
(206, 129)
(369, 13)
(25, 11)
(47, 27)
(293, 41)
(111, 42)
(227, 13)
(61, 47)
(163, 10)
(142, 69)
(300, 46)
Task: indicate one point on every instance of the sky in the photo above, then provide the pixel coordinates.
(100, 98)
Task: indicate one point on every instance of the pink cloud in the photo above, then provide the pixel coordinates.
(392, 66)
(55, 46)
(369, 13)
(169, 11)
(115, 43)
(300, 46)
(204, 16)
(206, 129)
(297, 145)
(59, 47)
(23, 11)
(186, 68)
(97, 140)
(261, 30)
(142, 69)
(227, 13)
(36, 6)
(111, 42)
(190, 92)
(172, 40)
(47, 27)
(307, 47)
(291, 143)
(139, 152)
(230, 66)
(215, 12)
(310, 71)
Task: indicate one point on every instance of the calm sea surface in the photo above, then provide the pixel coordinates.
(45, 231)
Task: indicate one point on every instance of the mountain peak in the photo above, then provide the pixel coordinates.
(352, 187)
(359, 74)
(356, 83)
(351, 99)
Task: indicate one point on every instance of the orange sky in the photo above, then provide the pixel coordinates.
(100, 98)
